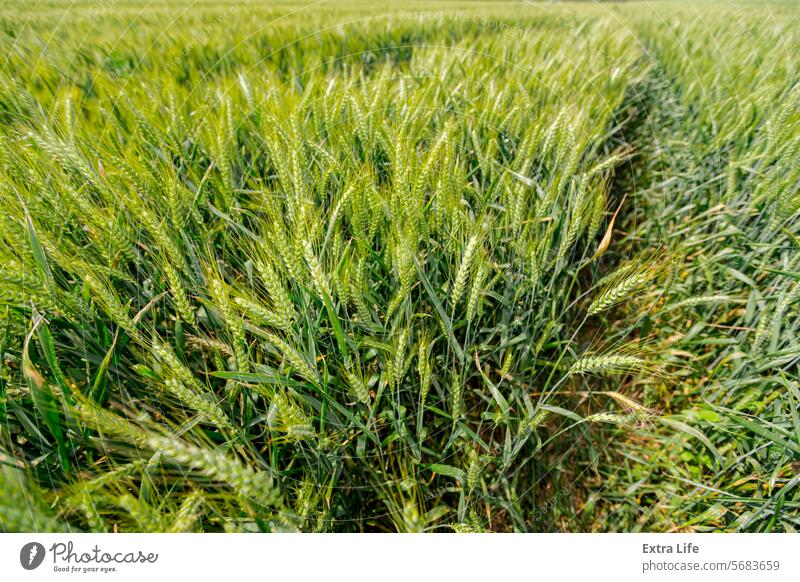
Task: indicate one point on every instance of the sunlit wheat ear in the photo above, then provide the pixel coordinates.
(289, 254)
(298, 362)
(608, 364)
(464, 268)
(631, 406)
(220, 294)
(109, 300)
(528, 425)
(473, 471)
(251, 484)
(612, 418)
(456, 397)
(395, 361)
(357, 385)
(318, 277)
(577, 218)
(283, 306)
(358, 287)
(596, 210)
(203, 405)
(189, 512)
(87, 504)
(174, 368)
(179, 294)
(424, 367)
(257, 312)
(287, 417)
(478, 282)
(705, 300)
(629, 278)
(146, 518)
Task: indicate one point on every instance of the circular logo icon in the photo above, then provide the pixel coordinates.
(31, 555)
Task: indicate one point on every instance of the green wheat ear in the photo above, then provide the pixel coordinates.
(628, 278)
(631, 358)
(251, 484)
(188, 514)
(357, 385)
(607, 364)
(464, 269)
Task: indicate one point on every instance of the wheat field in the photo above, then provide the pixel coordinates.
(399, 266)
